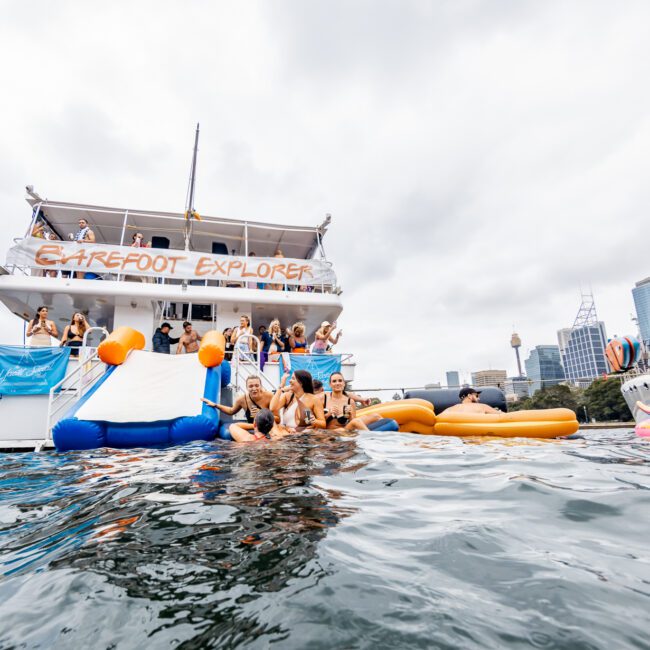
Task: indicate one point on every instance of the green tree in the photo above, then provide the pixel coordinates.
(605, 402)
(550, 397)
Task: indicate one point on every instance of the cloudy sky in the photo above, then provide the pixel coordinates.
(482, 161)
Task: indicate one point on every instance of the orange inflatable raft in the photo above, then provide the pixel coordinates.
(543, 423)
(417, 416)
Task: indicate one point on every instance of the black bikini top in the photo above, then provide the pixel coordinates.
(342, 419)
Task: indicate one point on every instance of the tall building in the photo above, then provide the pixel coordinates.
(582, 347)
(453, 379)
(544, 367)
(483, 378)
(515, 344)
(641, 295)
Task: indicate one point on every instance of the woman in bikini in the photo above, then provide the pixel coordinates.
(296, 403)
(264, 428)
(41, 330)
(340, 409)
(297, 340)
(73, 334)
(251, 402)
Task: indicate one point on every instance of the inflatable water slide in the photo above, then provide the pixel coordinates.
(146, 399)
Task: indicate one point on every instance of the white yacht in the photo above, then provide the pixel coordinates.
(203, 269)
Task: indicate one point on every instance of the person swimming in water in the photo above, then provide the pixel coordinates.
(469, 403)
(339, 407)
(296, 403)
(251, 402)
(264, 428)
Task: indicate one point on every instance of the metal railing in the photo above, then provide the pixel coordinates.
(74, 385)
(246, 363)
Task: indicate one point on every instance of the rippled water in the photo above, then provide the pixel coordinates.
(372, 541)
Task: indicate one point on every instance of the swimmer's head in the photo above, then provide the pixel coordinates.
(264, 421)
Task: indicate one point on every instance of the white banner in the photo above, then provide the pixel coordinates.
(184, 265)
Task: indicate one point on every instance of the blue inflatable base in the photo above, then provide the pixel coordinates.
(385, 424)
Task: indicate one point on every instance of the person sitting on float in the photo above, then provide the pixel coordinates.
(251, 402)
(469, 403)
(297, 340)
(296, 403)
(264, 428)
(41, 330)
(324, 336)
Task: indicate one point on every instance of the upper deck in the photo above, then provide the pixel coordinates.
(213, 269)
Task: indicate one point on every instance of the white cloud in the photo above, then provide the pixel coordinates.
(481, 160)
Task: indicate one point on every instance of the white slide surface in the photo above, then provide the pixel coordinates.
(147, 387)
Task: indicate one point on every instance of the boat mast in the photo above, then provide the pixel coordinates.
(190, 213)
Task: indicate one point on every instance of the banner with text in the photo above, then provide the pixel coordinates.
(31, 371)
(184, 265)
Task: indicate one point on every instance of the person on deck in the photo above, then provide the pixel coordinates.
(297, 340)
(243, 345)
(264, 428)
(83, 236)
(41, 330)
(296, 403)
(324, 336)
(251, 402)
(469, 403)
(138, 241)
(273, 342)
(162, 341)
(189, 339)
(227, 333)
(73, 334)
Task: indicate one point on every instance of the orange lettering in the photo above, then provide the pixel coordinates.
(163, 267)
(235, 264)
(147, 262)
(112, 260)
(48, 249)
(263, 270)
(200, 266)
(173, 261)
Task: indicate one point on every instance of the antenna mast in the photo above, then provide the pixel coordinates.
(190, 213)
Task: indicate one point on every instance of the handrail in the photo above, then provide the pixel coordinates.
(251, 359)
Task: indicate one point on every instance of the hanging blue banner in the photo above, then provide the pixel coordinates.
(321, 366)
(31, 371)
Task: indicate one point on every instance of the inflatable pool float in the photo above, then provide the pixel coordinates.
(417, 416)
(412, 415)
(543, 423)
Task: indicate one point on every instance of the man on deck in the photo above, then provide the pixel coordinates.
(189, 339)
(469, 403)
(162, 341)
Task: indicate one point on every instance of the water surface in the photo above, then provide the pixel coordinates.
(369, 541)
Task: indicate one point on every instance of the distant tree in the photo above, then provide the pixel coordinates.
(374, 400)
(605, 402)
(550, 397)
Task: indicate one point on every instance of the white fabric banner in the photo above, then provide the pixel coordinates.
(184, 265)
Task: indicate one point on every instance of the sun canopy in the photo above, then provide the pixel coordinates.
(117, 225)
